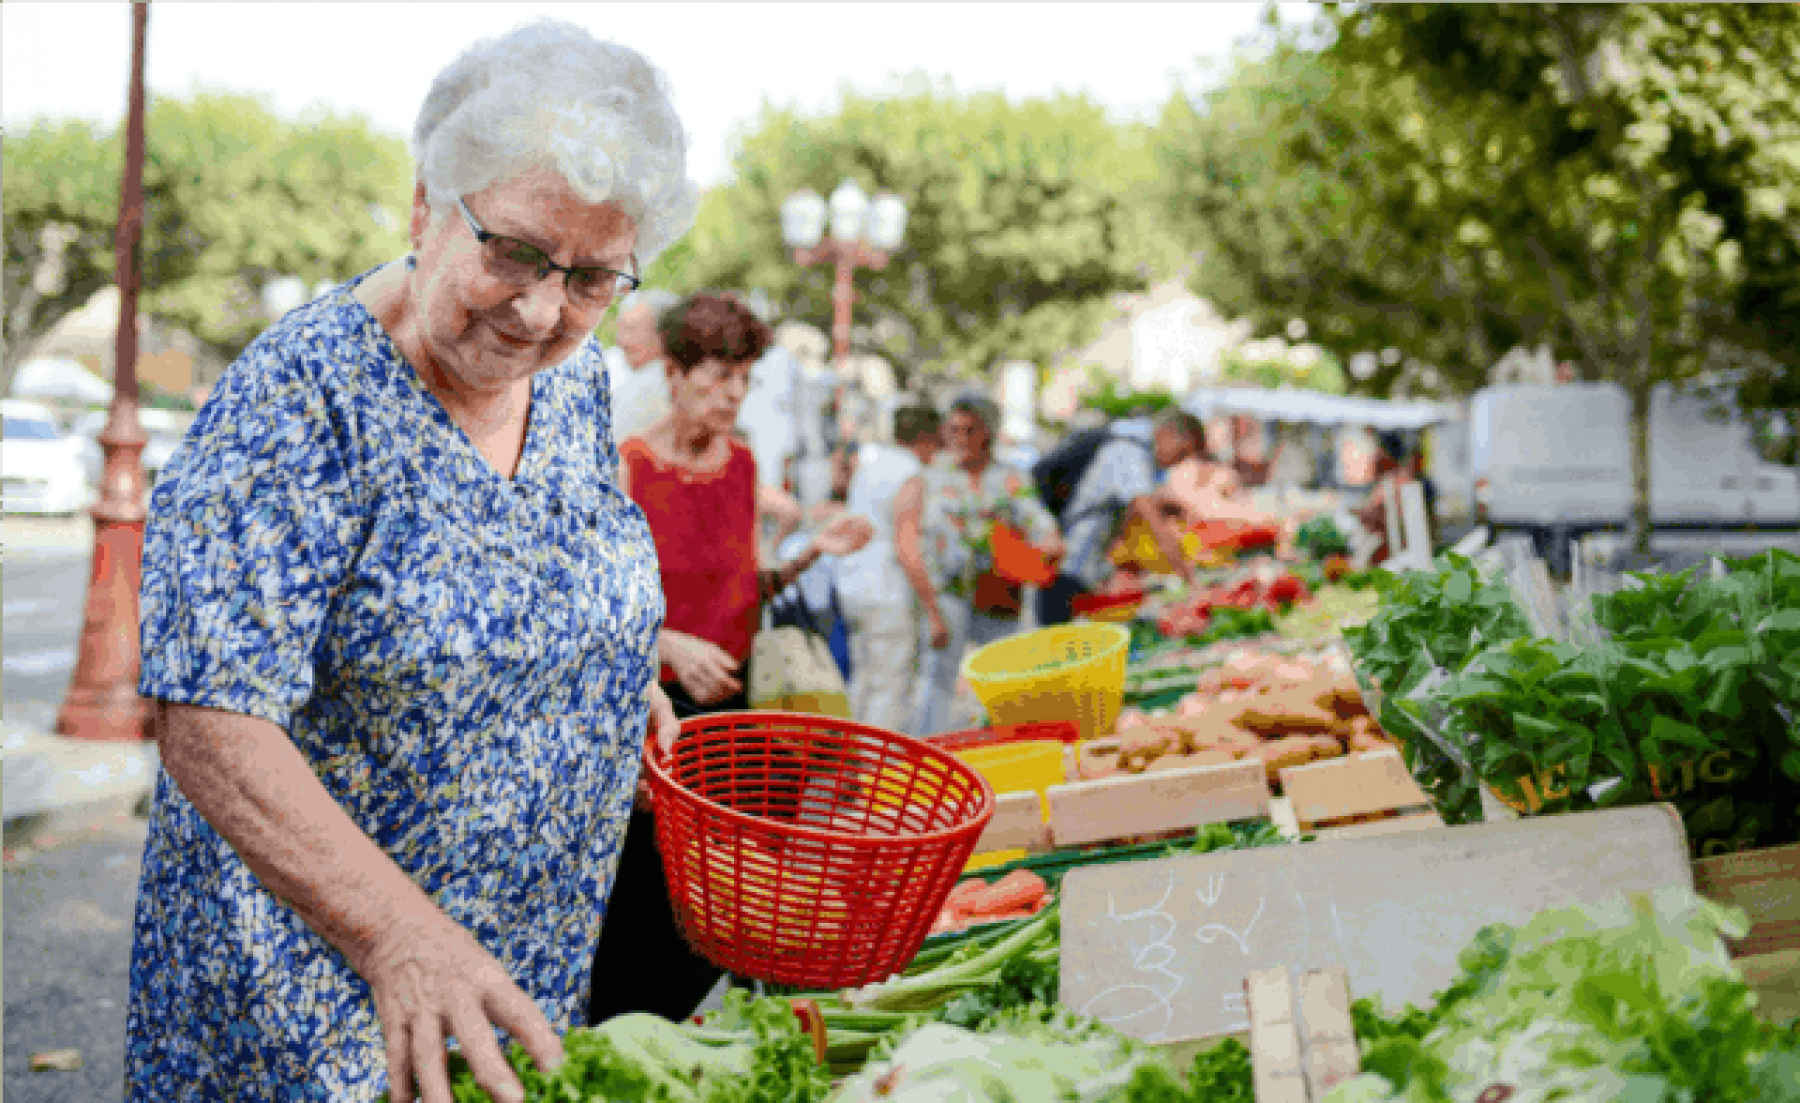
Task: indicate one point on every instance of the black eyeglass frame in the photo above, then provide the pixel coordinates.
(623, 283)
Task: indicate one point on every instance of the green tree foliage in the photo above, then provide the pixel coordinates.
(1615, 179)
(234, 198)
(1024, 219)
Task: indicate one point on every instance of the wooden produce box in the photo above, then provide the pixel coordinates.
(1766, 884)
(1362, 794)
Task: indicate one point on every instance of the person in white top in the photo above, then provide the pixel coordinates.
(634, 367)
(879, 588)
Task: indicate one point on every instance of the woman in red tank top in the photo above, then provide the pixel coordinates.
(697, 487)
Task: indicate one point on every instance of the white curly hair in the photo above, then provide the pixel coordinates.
(550, 95)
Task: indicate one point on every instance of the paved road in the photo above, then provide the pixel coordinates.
(71, 887)
(45, 583)
(68, 905)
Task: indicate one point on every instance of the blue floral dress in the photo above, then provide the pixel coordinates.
(462, 659)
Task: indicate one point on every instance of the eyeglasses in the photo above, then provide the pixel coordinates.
(521, 264)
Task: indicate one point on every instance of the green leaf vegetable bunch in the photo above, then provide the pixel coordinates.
(1431, 622)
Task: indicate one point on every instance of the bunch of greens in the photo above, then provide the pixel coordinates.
(1633, 1000)
(1670, 699)
(1032, 1052)
(1228, 623)
(752, 1052)
(1431, 624)
(1320, 537)
(1238, 835)
(1221, 1074)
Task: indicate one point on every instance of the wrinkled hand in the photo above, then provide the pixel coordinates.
(432, 981)
(661, 732)
(845, 535)
(703, 668)
(663, 725)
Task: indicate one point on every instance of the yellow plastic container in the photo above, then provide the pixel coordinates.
(1019, 767)
(1073, 672)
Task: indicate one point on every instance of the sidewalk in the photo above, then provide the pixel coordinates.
(48, 775)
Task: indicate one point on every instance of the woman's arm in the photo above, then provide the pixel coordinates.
(847, 533)
(1150, 509)
(431, 979)
(706, 670)
(909, 510)
(776, 503)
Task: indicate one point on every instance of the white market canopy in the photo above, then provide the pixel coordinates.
(60, 380)
(1316, 408)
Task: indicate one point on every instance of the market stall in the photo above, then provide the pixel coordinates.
(1421, 837)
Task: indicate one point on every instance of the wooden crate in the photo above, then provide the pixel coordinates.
(1362, 794)
(1766, 884)
(1136, 805)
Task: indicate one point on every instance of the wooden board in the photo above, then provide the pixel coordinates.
(1357, 785)
(1018, 824)
(1400, 825)
(1302, 1040)
(1276, 1069)
(1766, 884)
(1149, 804)
(1161, 948)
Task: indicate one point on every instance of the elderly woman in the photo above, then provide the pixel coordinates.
(966, 494)
(400, 622)
(697, 485)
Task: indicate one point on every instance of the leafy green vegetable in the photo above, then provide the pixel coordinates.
(1681, 688)
(1239, 835)
(1320, 537)
(1632, 999)
(1022, 981)
(753, 1051)
(1431, 622)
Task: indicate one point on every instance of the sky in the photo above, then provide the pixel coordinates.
(723, 60)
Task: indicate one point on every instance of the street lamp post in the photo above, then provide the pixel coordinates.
(864, 234)
(103, 702)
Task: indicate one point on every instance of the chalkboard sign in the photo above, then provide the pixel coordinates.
(1161, 949)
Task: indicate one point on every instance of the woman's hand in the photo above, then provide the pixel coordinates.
(661, 732)
(432, 981)
(1053, 548)
(704, 669)
(845, 535)
(663, 724)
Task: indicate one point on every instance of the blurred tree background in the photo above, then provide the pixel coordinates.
(235, 197)
(1438, 184)
(1024, 219)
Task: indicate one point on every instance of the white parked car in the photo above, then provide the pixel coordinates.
(40, 466)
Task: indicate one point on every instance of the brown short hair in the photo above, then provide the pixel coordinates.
(711, 325)
(914, 423)
(1175, 419)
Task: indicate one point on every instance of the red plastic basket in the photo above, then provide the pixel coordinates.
(808, 850)
(1061, 731)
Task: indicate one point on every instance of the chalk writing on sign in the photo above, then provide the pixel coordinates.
(1148, 1004)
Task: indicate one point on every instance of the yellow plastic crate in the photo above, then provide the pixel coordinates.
(1072, 672)
(1016, 768)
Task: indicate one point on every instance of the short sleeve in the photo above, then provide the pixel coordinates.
(250, 537)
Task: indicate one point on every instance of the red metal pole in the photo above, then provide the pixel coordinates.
(843, 297)
(103, 702)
